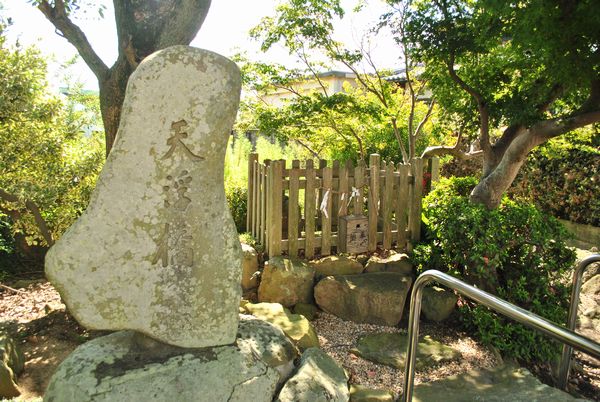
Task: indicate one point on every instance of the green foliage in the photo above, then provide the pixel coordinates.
(560, 177)
(237, 200)
(517, 55)
(514, 251)
(49, 155)
(370, 115)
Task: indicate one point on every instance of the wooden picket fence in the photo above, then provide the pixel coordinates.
(389, 195)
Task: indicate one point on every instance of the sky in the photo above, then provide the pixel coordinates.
(224, 31)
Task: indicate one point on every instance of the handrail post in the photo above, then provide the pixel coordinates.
(497, 304)
(565, 360)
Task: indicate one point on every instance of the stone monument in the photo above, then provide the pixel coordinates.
(157, 251)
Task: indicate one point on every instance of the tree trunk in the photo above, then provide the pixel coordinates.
(112, 95)
(501, 168)
(143, 27)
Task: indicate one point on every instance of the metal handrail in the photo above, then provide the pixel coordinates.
(565, 361)
(495, 303)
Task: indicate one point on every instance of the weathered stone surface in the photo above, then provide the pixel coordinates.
(249, 267)
(295, 326)
(390, 349)
(592, 286)
(393, 263)
(286, 281)
(307, 310)
(336, 265)
(318, 379)
(267, 341)
(376, 298)
(438, 303)
(359, 393)
(124, 367)
(11, 364)
(499, 385)
(157, 251)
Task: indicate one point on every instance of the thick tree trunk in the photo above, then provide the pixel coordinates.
(143, 27)
(498, 179)
(112, 95)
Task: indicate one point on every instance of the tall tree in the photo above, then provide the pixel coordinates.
(143, 27)
(519, 72)
(372, 110)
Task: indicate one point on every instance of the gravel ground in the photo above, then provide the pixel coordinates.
(337, 337)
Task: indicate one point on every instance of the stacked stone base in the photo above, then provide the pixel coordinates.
(127, 366)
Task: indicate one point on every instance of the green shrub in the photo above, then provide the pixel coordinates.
(514, 251)
(237, 200)
(560, 177)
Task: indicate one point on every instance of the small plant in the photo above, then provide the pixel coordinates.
(514, 251)
(237, 200)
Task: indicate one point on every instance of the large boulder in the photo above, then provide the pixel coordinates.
(268, 341)
(395, 262)
(318, 379)
(592, 286)
(336, 265)
(11, 364)
(438, 303)
(156, 250)
(376, 298)
(286, 281)
(390, 349)
(249, 267)
(296, 327)
(127, 366)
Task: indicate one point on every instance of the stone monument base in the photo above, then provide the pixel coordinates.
(128, 366)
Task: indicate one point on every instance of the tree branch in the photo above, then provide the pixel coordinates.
(309, 149)
(57, 15)
(484, 115)
(35, 211)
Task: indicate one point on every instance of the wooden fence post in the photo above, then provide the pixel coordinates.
(275, 215)
(415, 214)
(402, 207)
(387, 205)
(293, 205)
(250, 205)
(326, 217)
(374, 161)
(310, 209)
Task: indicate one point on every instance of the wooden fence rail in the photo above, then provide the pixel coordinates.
(297, 209)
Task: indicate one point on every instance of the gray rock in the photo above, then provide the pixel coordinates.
(125, 366)
(390, 349)
(156, 251)
(438, 303)
(394, 263)
(286, 281)
(296, 327)
(336, 265)
(375, 298)
(11, 364)
(592, 286)
(249, 267)
(267, 341)
(498, 385)
(359, 393)
(318, 379)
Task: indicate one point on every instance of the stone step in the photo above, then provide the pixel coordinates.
(506, 383)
